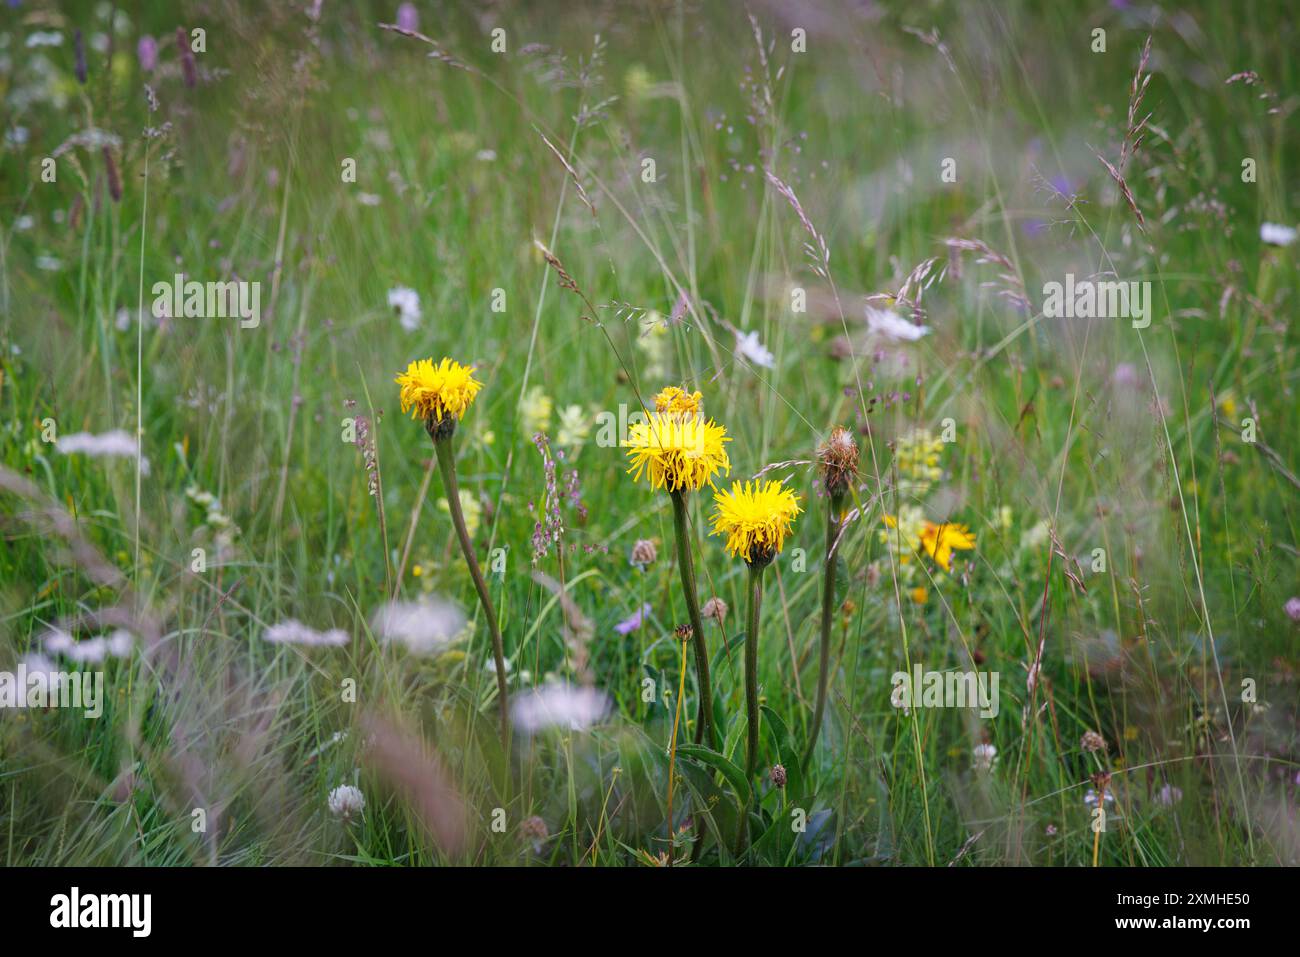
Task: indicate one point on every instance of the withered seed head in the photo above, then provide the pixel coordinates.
(714, 608)
(1092, 741)
(839, 461)
(644, 553)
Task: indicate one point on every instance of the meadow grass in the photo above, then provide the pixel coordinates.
(518, 179)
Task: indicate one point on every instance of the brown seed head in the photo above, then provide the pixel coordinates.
(839, 461)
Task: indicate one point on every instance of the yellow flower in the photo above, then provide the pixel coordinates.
(439, 391)
(470, 508)
(939, 541)
(915, 532)
(536, 410)
(755, 517)
(919, 594)
(678, 403)
(677, 454)
(916, 454)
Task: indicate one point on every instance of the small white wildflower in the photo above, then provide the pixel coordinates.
(749, 347)
(422, 627)
(559, 705)
(575, 427)
(347, 802)
(407, 303)
(45, 38)
(116, 443)
(1168, 795)
(984, 756)
(293, 632)
(94, 650)
(1090, 798)
(1036, 537)
(371, 199)
(893, 326)
(1276, 235)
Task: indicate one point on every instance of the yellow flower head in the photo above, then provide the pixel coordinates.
(678, 403)
(756, 517)
(939, 541)
(677, 454)
(917, 456)
(437, 392)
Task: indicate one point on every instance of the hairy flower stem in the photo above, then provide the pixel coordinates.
(828, 601)
(751, 669)
(447, 466)
(686, 564)
(751, 697)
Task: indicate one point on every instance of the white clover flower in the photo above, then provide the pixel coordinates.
(346, 803)
(423, 627)
(94, 650)
(407, 303)
(293, 632)
(984, 756)
(1276, 235)
(559, 705)
(114, 444)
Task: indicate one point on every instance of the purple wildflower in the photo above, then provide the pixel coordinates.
(632, 623)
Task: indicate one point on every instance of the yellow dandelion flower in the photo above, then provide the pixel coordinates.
(437, 392)
(677, 454)
(678, 403)
(755, 517)
(939, 541)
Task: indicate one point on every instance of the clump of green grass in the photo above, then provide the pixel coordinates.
(1130, 492)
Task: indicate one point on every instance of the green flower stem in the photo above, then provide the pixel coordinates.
(447, 466)
(828, 601)
(751, 699)
(751, 669)
(686, 564)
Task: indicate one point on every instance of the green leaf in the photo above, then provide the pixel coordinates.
(786, 749)
(735, 777)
